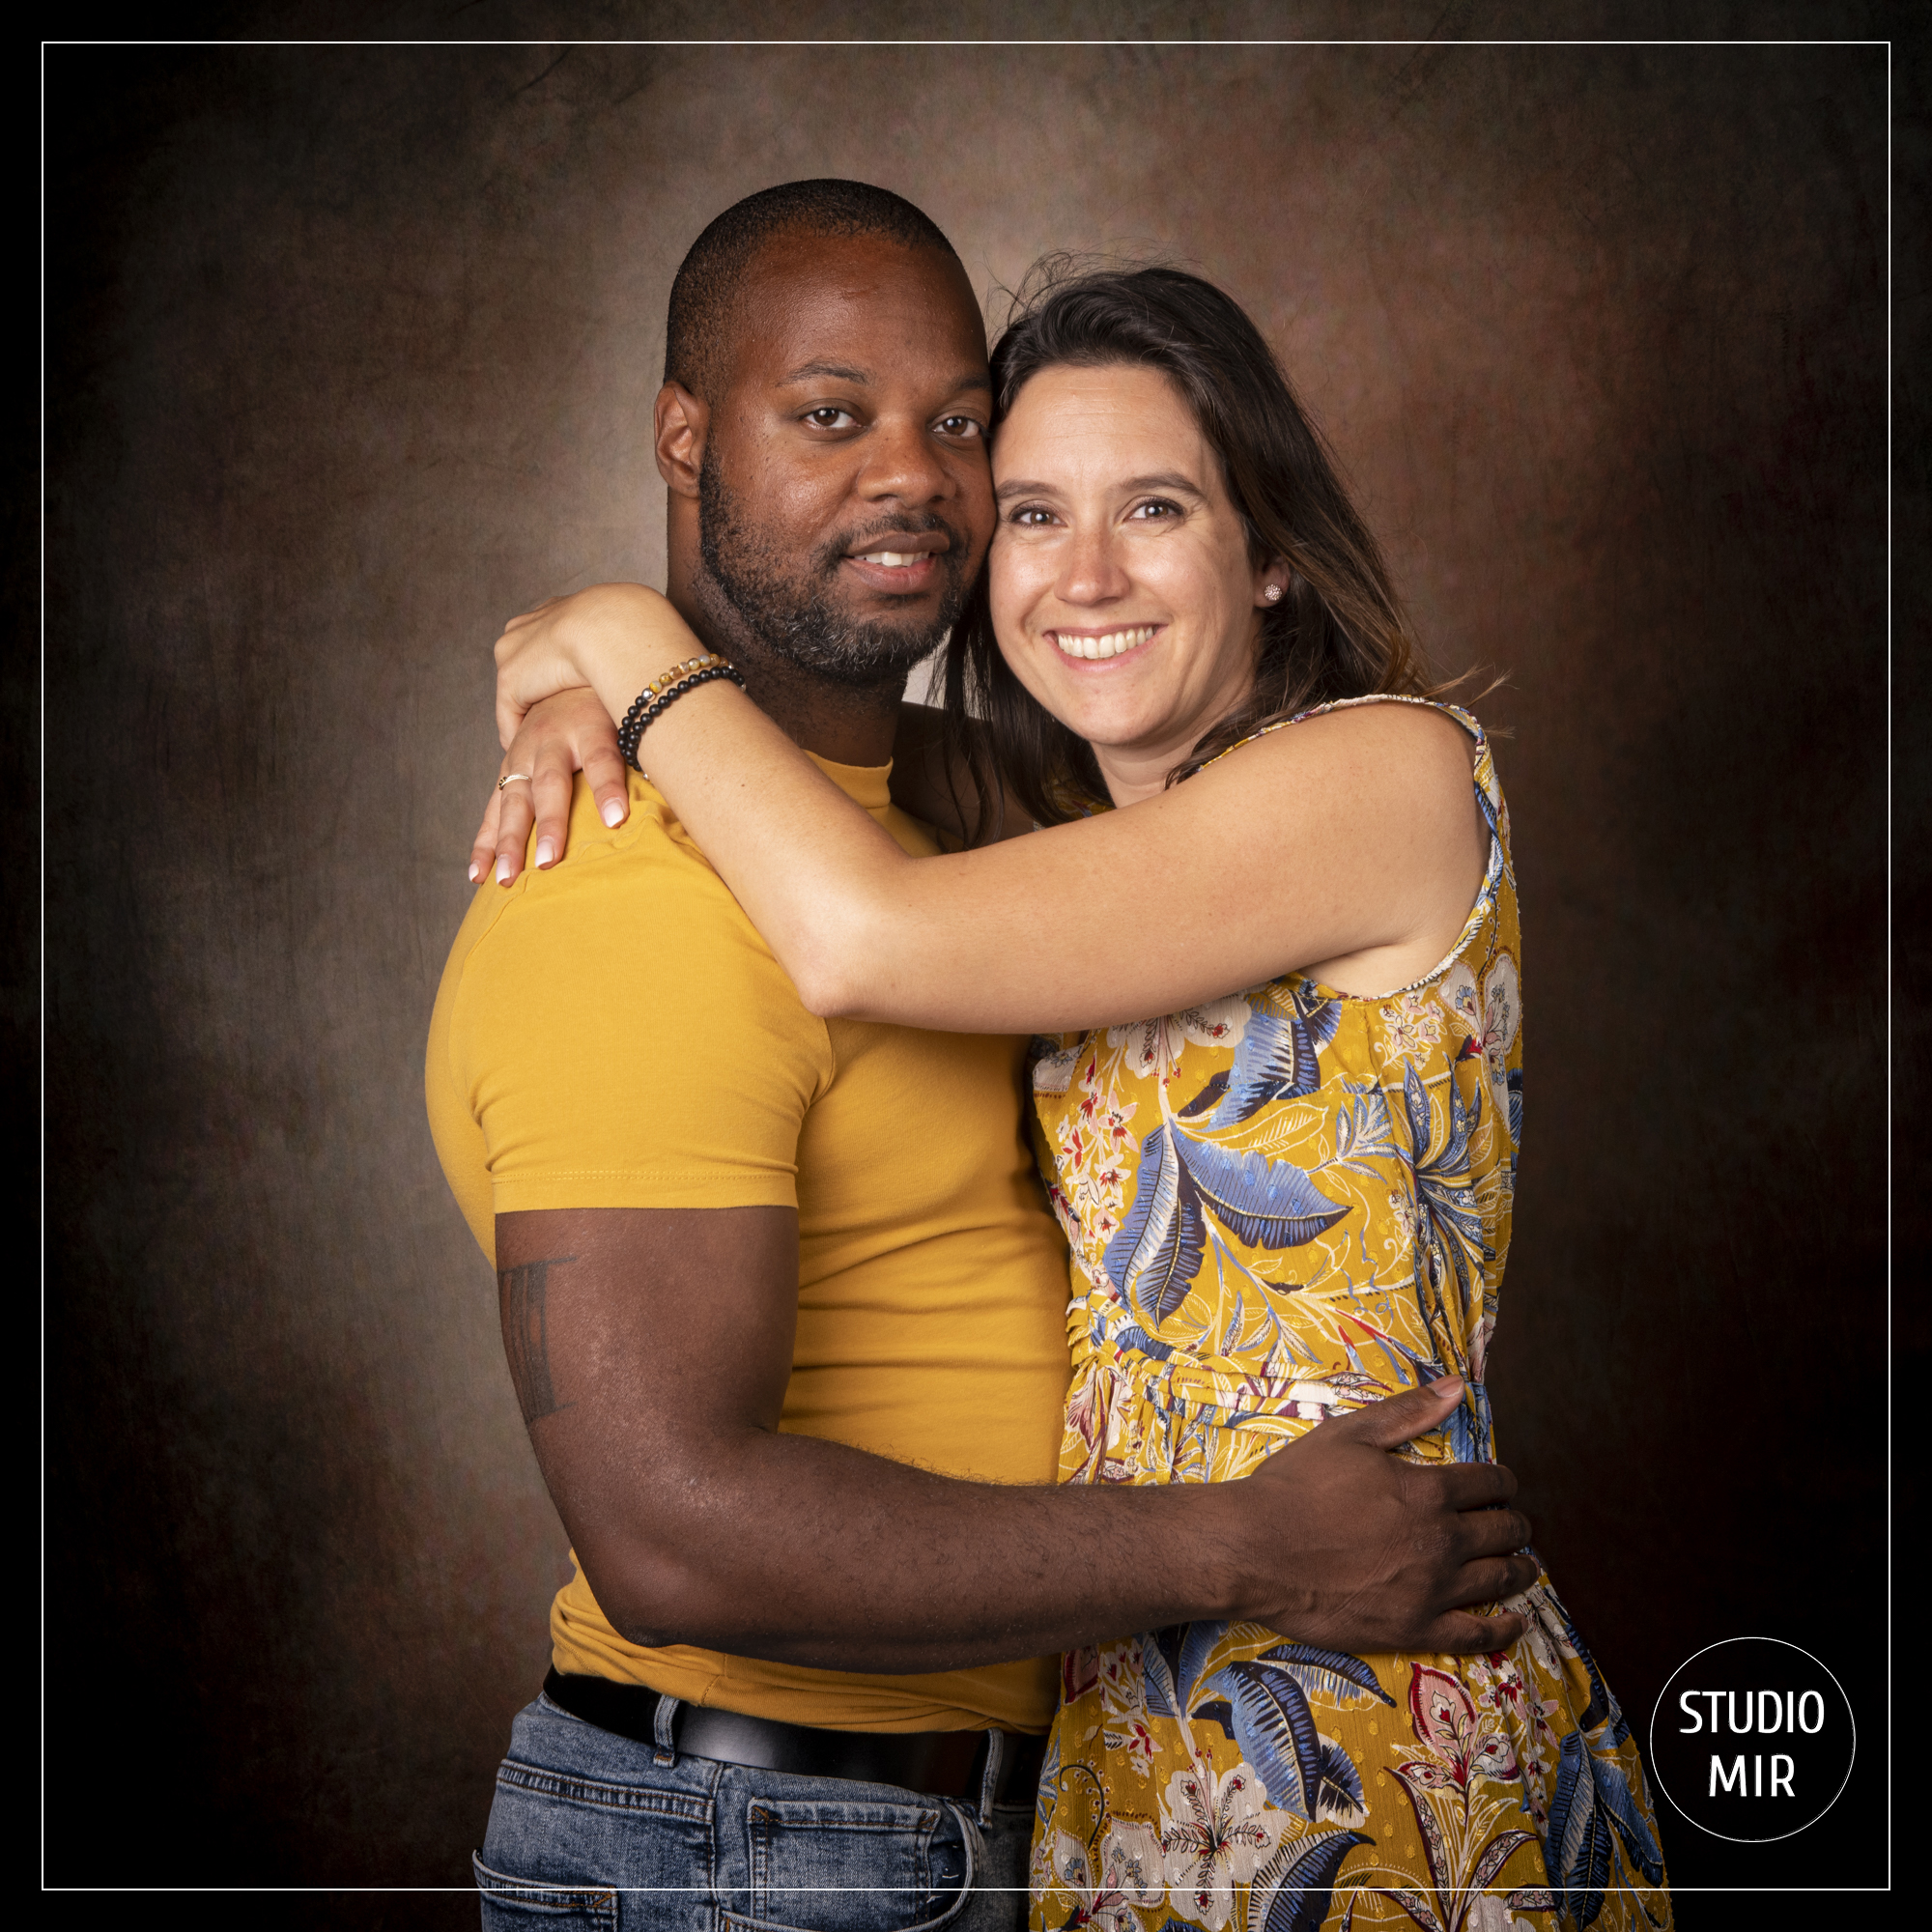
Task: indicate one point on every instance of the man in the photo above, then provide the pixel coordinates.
(781, 1295)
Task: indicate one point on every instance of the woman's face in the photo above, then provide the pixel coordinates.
(1123, 594)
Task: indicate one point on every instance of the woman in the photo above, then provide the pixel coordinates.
(1282, 1201)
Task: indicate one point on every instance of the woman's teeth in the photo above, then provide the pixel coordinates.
(1109, 646)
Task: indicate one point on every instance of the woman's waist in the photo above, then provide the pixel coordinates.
(1211, 1386)
(1157, 1413)
(1311, 1371)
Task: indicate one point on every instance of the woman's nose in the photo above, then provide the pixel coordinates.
(1091, 571)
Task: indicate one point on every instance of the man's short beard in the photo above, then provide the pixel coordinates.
(790, 611)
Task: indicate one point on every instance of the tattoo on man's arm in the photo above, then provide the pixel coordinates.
(527, 1335)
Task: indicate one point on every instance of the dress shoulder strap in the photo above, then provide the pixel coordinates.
(1466, 718)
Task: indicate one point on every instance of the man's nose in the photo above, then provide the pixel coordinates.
(901, 462)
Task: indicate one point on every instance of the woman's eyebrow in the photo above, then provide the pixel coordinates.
(1165, 479)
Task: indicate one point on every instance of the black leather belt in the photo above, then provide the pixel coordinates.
(948, 1764)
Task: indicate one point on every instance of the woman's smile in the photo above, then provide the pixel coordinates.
(1104, 646)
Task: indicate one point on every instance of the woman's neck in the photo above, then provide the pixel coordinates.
(1139, 771)
(1131, 775)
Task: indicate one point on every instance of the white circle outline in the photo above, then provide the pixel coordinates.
(1657, 1769)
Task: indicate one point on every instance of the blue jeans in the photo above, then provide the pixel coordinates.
(589, 1829)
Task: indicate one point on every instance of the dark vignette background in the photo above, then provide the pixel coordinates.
(350, 354)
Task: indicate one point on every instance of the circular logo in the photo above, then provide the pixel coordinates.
(1752, 1740)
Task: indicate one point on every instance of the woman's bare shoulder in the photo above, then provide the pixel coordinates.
(1419, 749)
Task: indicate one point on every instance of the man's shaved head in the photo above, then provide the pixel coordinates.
(705, 298)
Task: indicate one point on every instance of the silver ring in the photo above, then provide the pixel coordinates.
(510, 778)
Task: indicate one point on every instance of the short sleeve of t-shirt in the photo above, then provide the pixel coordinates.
(615, 1034)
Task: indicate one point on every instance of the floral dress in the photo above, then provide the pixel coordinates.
(1284, 1205)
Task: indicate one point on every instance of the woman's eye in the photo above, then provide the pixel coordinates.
(829, 419)
(1030, 515)
(1155, 510)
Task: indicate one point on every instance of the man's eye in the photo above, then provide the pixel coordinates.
(829, 419)
(967, 426)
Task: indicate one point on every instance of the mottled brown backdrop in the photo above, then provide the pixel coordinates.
(351, 351)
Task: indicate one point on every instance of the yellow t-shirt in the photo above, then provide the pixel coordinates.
(614, 1032)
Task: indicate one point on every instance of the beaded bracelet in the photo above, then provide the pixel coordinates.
(631, 727)
(629, 732)
(657, 697)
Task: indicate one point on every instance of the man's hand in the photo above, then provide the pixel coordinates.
(1358, 1551)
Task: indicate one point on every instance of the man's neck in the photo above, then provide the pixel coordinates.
(848, 726)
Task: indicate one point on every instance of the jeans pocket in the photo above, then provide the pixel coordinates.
(840, 1867)
(522, 1905)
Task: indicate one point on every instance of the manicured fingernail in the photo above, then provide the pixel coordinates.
(504, 869)
(614, 812)
(476, 872)
(1450, 1386)
(546, 852)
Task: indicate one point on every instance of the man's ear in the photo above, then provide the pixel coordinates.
(681, 423)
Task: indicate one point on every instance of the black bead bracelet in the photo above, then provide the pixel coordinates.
(649, 707)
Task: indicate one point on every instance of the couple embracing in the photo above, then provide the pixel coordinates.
(1025, 1461)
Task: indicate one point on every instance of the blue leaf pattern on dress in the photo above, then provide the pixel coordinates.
(1275, 1060)
(1265, 1204)
(1328, 1673)
(1155, 1256)
(1276, 1732)
(1579, 1837)
(1297, 1901)
(1338, 1784)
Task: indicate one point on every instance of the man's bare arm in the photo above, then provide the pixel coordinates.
(651, 1348)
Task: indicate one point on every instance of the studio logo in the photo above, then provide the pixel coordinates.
(1752, 1740)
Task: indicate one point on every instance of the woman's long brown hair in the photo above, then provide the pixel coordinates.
(1340, 631)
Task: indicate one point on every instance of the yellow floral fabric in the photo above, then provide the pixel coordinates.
(1283, 1204)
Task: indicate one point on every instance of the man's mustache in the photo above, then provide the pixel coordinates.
(855, 542)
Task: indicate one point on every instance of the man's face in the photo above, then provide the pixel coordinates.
(844, 497)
